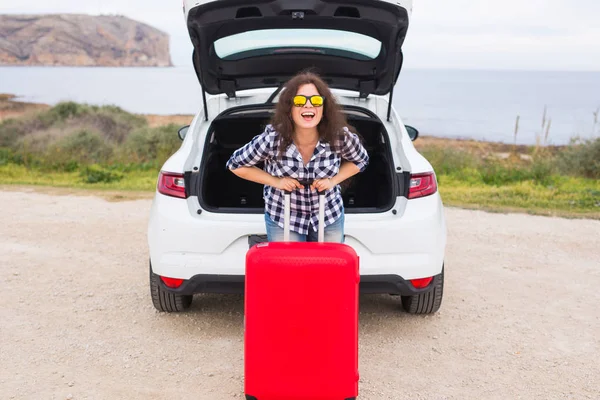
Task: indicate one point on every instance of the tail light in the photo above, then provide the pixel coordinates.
(422, 185)
(171, 184)
(421, 283)
(173, 283)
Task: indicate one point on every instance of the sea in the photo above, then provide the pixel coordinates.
(552, 107)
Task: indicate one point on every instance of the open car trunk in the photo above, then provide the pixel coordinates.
(219, 190)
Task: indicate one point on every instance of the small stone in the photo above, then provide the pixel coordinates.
(71, 384)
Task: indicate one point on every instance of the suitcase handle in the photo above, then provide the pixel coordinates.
(287, 211)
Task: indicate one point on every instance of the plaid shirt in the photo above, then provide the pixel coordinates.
(324, 163)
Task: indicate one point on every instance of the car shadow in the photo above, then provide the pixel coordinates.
(376, 311)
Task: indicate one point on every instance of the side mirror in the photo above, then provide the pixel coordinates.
(182, 132)
(412, 132)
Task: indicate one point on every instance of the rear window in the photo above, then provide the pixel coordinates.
(281, 41)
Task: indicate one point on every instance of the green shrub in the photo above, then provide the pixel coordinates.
(65, 110)
(10, 131)
(543, 169)
(581, 158)
(13, 130)
(84, 147)
(8, 157)
(446, 160)
(111, 122)
(96, 174)
(114, 123)
(496, 173)
(34, 145)
(475, 169)
(502, 172)
(152, 144)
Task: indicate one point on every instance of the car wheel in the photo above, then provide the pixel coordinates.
(428, 302)
(166, 301)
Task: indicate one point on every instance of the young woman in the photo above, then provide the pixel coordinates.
(307, 140)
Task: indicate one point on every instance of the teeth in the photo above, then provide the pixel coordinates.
(308, 114)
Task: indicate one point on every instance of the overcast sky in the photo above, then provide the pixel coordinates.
(499, 34)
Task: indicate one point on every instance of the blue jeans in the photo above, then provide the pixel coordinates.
(333, 232)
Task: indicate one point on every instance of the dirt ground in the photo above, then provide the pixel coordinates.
(11, 108)
(519, 319)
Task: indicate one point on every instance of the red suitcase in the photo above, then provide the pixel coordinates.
(301, 320)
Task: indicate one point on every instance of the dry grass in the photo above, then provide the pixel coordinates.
(161, 120)
(481, 149)
(109, 195)
(10, 108)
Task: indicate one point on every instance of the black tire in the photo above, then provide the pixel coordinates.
(165, 301)
(428, 302)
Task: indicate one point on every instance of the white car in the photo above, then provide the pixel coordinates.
(204, 218)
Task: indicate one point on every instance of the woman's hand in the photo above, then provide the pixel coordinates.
(347, 170)
(322, 185)
(288, 184)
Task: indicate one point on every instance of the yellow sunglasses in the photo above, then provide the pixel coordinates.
(316, 100)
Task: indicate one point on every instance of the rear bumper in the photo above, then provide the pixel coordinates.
(184, 243)
(234, 284)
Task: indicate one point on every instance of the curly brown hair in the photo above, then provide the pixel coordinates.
(331, 126)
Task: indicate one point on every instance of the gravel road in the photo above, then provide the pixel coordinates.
(519, 319)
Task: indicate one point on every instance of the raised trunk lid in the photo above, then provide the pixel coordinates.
(355, 45)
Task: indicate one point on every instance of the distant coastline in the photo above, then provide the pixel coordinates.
(480, 105)
(76, 40)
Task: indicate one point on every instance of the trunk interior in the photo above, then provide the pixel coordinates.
(222, 191)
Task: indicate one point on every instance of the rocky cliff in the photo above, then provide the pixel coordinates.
(81, 40)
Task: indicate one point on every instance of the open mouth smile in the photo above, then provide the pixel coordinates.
(308, 116)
